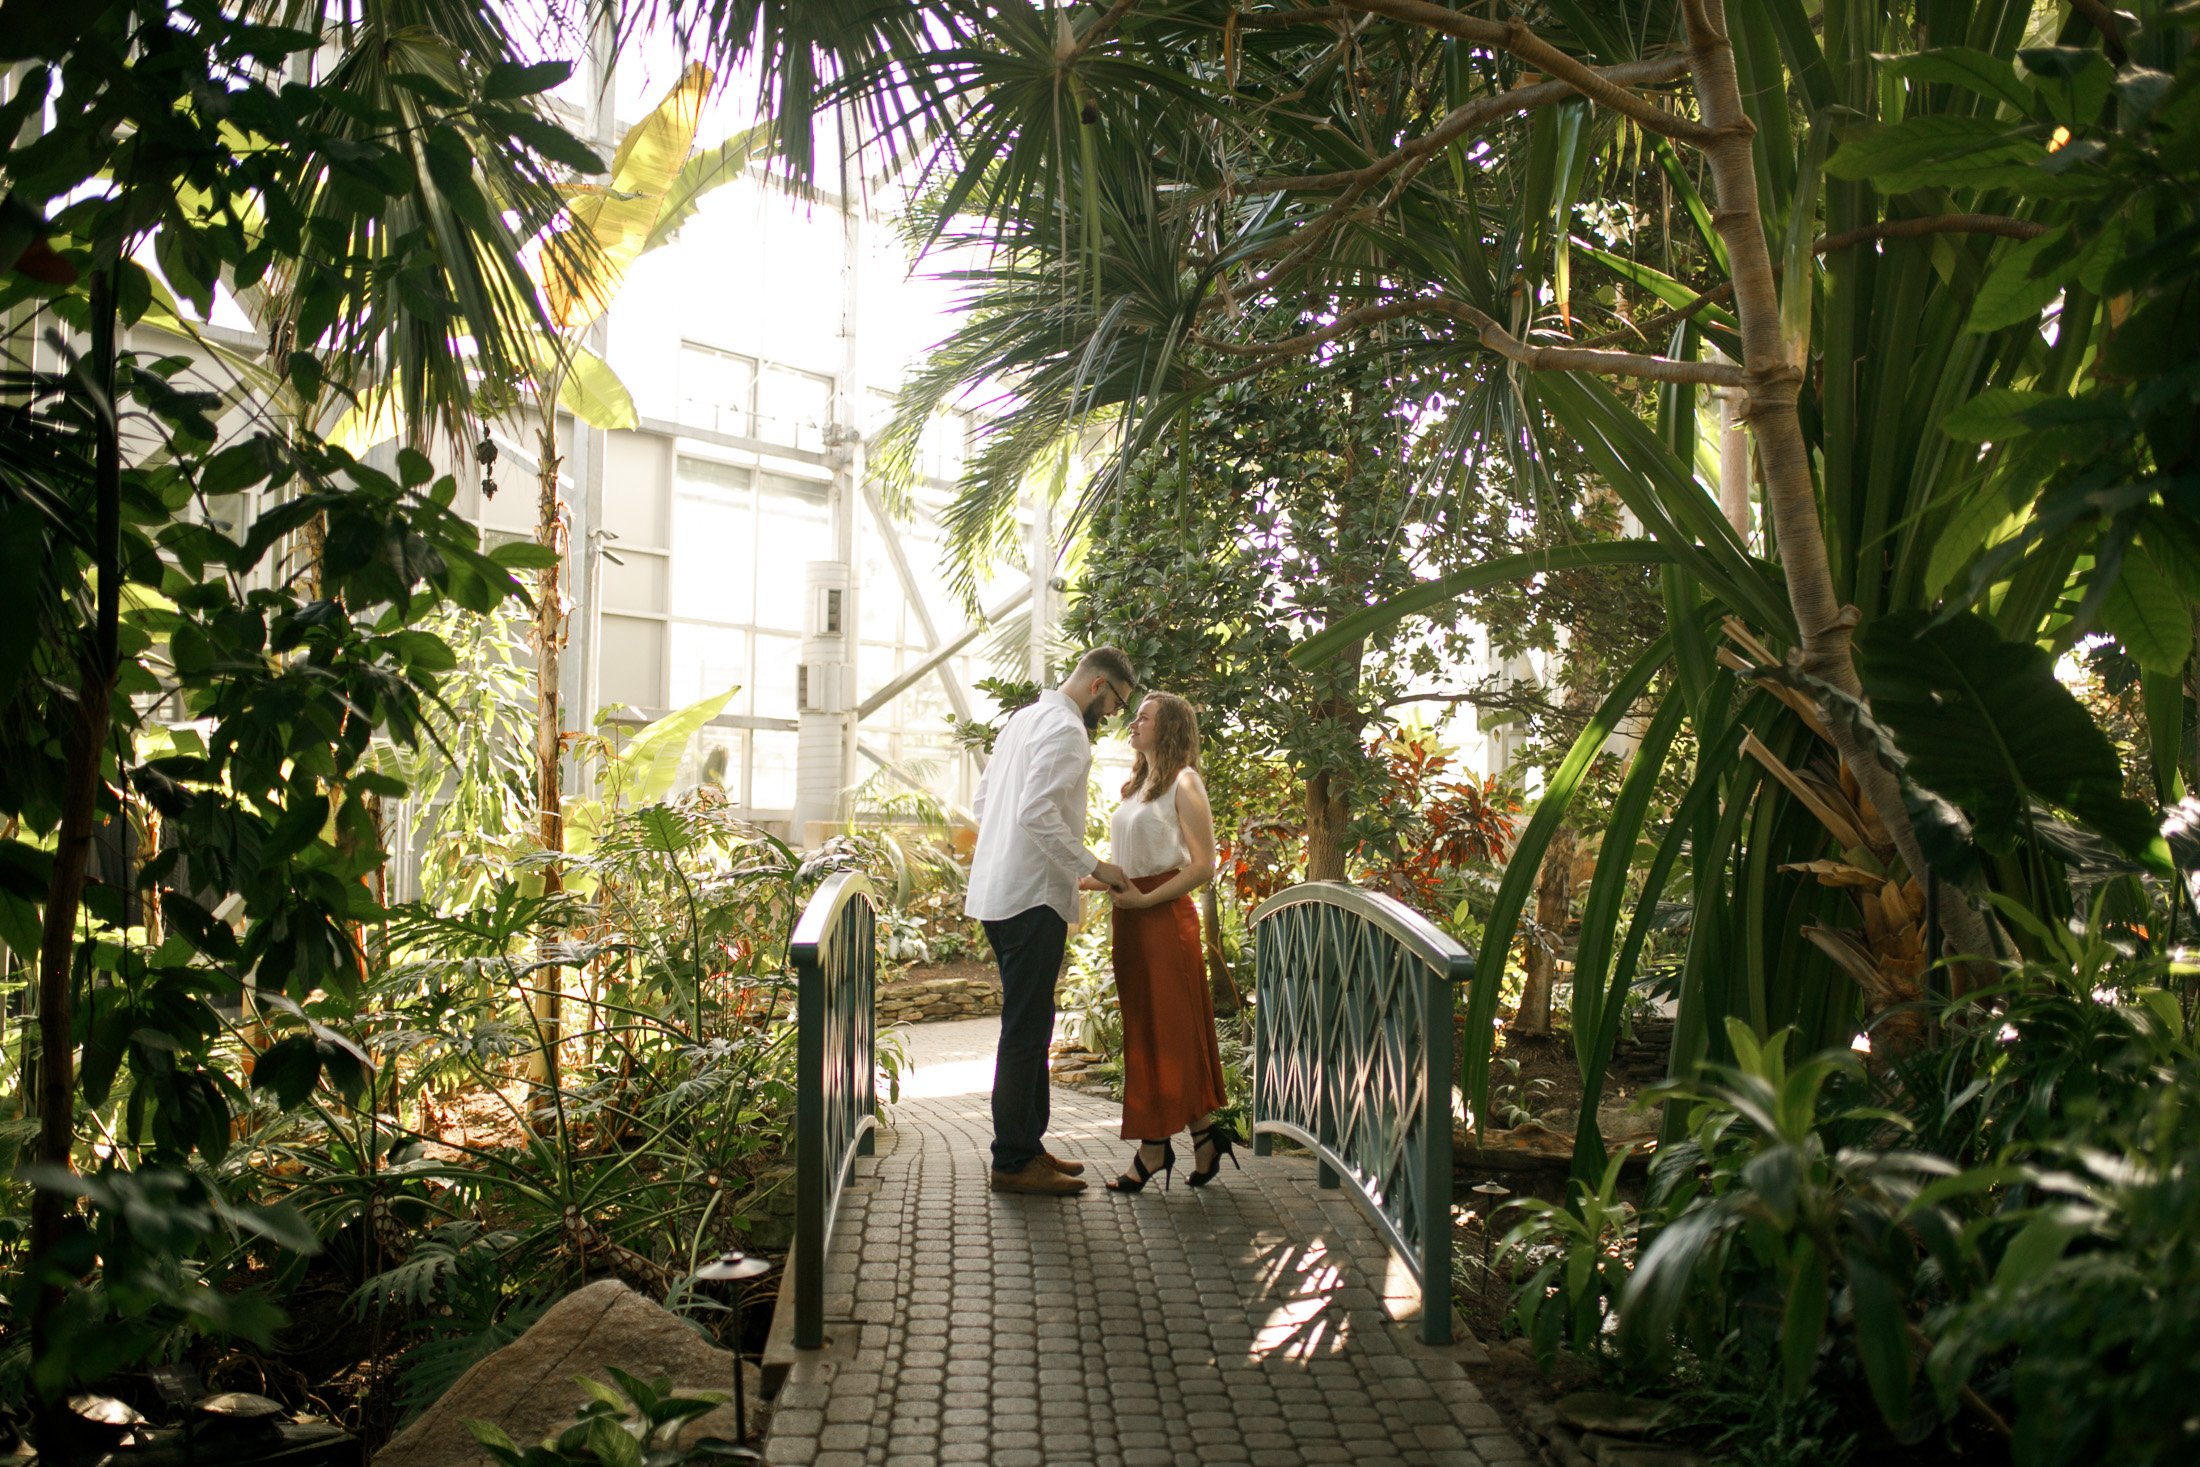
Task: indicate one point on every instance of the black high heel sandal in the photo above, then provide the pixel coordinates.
(1225, 1142)
(1129, 1183)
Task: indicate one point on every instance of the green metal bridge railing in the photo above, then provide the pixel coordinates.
(835, 957)
(1353, 1060)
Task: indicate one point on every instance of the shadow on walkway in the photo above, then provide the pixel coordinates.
(1258, 1320)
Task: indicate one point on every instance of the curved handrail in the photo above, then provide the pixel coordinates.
(1438, 948)
(1353, 1060)
(834, 953)
(814, 926)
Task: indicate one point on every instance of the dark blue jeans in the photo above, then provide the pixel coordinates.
(1028, 946)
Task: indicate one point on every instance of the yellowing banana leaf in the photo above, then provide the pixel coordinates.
(592, 392)
(585, 263)
(706, 171)
(640, 773)
(587, 386)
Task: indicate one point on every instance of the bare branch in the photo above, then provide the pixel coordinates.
(1593, 359)
(1276, 20)
(1495, 337)
(1068, 56)
(1466, 118)
(1516, 37)
(1999, 224)
(1343, 326)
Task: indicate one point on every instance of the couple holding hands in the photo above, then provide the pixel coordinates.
(1030, 864)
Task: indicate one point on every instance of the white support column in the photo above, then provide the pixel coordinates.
(825, 748)
(1039, 555)
(1734, 477)
(582, 670)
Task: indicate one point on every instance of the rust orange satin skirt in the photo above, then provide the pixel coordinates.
(1172, 1072)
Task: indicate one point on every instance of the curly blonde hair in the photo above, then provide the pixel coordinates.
(1176, 748)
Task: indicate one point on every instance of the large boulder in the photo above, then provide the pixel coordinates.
(527, 1387)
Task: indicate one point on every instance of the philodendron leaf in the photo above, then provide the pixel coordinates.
(2148, 613)
(1986, 723)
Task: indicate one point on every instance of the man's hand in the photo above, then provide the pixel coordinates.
(1110, 876)
(1092, 883)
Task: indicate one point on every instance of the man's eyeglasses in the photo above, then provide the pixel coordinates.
(1122, 695)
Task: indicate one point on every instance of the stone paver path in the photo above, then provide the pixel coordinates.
(1258, 1320)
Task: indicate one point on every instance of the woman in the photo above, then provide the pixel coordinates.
(1163, 838)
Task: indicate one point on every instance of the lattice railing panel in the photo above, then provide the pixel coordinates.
(835, 957)
(1352, 1057)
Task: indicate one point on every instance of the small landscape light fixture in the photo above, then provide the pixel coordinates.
(735, 1267)
(1490, 1191)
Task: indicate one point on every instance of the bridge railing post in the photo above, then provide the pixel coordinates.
(834, 953)
(1352, 1059)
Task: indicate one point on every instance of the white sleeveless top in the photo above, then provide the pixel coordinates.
(1144, 836)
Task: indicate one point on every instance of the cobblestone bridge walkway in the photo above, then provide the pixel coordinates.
(1258, 1320)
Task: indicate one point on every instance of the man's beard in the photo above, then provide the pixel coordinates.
(1093, 718)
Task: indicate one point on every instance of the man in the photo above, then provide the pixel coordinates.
(1023, 887)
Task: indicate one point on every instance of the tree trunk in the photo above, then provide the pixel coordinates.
(1773, 381)
(549, 782)
(1328, 806)
(1219, 982)
(1328, 814)
(56, 1097)
(1554, 894)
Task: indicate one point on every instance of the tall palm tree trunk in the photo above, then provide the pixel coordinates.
(549, 774)
(1773, 380)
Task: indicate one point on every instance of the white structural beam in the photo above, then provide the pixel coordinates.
(914, 594)
(939, 655)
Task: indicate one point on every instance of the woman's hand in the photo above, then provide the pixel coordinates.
(1133, 899)
(1091, 883)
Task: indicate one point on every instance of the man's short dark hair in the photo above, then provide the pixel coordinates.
(1107, 662)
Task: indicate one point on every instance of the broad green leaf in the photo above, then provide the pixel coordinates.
(1994, 416)
(290, 1068)
(644, 770)
(1935, 150)
(612, 1445)
(509, 79)
(1986, 723)
(2146, 612)
(2023, 281)
(1978, 71)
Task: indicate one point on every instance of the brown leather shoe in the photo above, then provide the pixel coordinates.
(1062, 1164)
(1037, 1178)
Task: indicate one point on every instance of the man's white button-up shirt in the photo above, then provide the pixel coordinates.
(1031, 814)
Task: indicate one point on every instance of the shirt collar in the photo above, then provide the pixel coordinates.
(1069, 703)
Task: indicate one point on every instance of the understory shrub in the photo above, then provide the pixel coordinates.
(1995, 1236)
